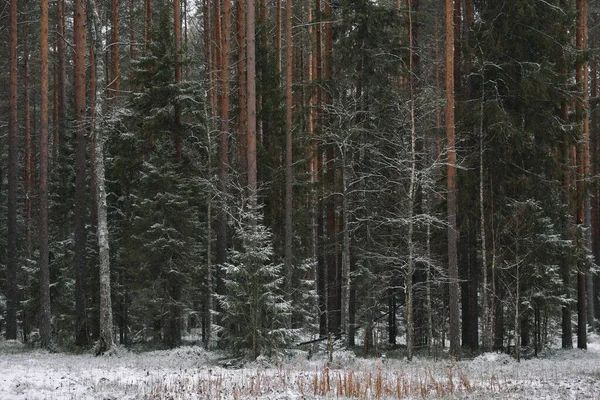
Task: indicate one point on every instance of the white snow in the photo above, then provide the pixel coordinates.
(193, 373)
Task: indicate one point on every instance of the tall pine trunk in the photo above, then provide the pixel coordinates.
(147, 22)
(79, 258)
(582, 169)
(178, 73)
(408, 285)
(251, 105)
(45, 323)
(29, 169)
(13, 167)
(62, 78)
(289, 172)
(450, 137)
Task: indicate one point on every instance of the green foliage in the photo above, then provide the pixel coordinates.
(158, 188)
(255, 311)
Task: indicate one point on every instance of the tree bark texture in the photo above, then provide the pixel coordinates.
(178, 70)
(45, 323)
(79, 259)
(289, 171)
(251, 106)
(450, 137)
(13, 167)
(582, 169)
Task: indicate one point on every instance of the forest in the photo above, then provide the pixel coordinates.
(410, 174)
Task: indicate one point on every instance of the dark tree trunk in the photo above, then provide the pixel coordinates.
(450, 136)
(45, 316)
(13, 167)
(79, 257)
(525, 330)
(392, 331)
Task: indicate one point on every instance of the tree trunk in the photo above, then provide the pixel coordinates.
(115, 70)
(452, 252)
(132, 44)
(29, 166)
(148, 22)
(79, 259)
(178, 70)
(587, 179)
(62, 77)
(410, 270)
(333, 271)
(242, 87)
(45, 323)
(217, 54)
(278, 34)
(565, 269)
(251, 106)
(485, 312)
(289, 172)
(13, 167)
(106, 318)
(517, 303)
(582, 169)
(346, 281)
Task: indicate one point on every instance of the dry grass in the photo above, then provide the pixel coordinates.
(322, 383)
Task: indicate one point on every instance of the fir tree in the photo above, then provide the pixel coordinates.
(255, 311)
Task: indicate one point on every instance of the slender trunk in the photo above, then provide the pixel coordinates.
(484, 297)
(106, 318)
(209, 274)
(438, 125)
(595, 143)
(148, 22)
(333, 273)
(587, 179)
(346, 281)
(29, 166)
(208, 55)
(45, 324)
(115, 71)
(452, 252)
(79, 32)
(217, 61)
(517, 304)
(566, 327)
(289, 172)
(29, 148)
(13, 167)
(251, 132)
(62, 79)
(582, 169)
(242, 87)
(178, 71)
(494, 303)
(132, 45)
(278, 34)
(410, 270)
(224, 96)
(317, 167)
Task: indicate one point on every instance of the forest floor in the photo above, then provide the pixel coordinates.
(193, 373)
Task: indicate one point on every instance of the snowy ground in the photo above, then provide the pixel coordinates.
(192, 373)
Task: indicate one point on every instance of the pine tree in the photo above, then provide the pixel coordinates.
(11, 275)
(45, 323)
